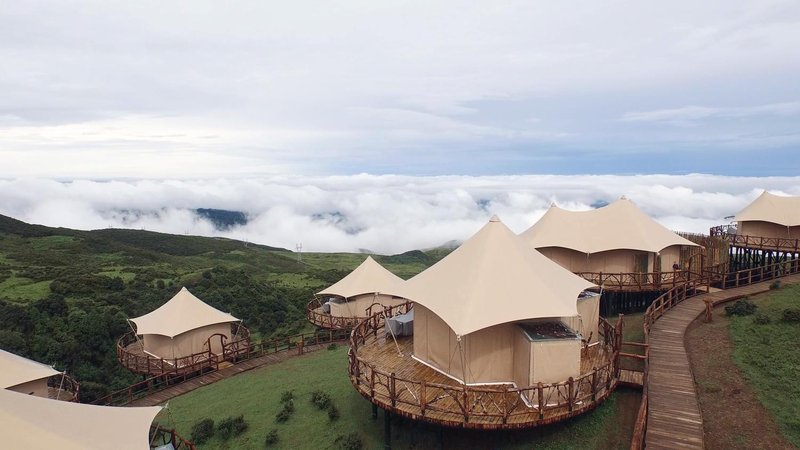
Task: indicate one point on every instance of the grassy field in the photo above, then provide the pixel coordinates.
(256, 394)
(769, 358)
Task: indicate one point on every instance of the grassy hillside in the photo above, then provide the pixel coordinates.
(65, 294)
(257, 396)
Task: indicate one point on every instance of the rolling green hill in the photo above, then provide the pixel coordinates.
(65, 294)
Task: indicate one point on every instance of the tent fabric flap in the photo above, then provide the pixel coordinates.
(619, 225)
(181, 313)
(35, 422)
(495, 277)
(772, 208)
(17, 370)
(368, 278)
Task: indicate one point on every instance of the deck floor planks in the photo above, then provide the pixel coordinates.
(674, 418)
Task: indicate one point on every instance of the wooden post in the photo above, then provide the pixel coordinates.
(392, 390)
(571, 393)
(708, 303)
(387, 429)
(423, 399)
(594, 384)
(300, 346)
(466, 400)
(374, 411)
(541, 400)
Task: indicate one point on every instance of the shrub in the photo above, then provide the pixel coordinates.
(287, 396)
(775, 285)
(761, 319)
(333, 412)
(743, 307)
(286, 412)
(231, 426)
(272, 437)
(333, 347)
(202, 431)
(321, 399)
(351, 441)
(791, 315)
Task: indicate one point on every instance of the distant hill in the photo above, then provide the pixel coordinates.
(222, 219)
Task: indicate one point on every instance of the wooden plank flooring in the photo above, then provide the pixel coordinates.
(160, 397)
(674, 419)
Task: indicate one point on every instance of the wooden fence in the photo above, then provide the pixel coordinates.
(755, 242)
(480, 407)
(160, 436)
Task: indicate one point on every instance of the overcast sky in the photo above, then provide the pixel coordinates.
(197, 89)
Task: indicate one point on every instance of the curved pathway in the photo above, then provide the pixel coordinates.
(674, 418)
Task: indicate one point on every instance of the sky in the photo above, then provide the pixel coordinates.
(196, 89)
(391, 126)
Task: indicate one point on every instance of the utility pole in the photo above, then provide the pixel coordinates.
(299, 247)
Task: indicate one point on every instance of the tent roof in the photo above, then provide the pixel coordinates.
(495, 277)
(182, 313)
(772, 208)
(17, 370)
(368, 278)
(35, 422)
(619, 225)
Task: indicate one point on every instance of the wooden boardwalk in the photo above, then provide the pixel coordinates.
(674, 419)
(160, 397)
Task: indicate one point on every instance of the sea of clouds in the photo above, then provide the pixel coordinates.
(383, 214)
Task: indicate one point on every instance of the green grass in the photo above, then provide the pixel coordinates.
(25, 288)
(256, 394)
(769, 358)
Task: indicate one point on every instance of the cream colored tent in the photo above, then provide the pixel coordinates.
(24, 375)
(772, 216)
(30, 422)
(467, 306)
(182, 327)
(367, 284)
(616, 238)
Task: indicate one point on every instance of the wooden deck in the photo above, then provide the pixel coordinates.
(385, 373)
(226, 372)
(674, 419)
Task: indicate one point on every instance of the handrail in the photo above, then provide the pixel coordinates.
(756, 242)
(151, 365)
(160, 436)
(327, 320)
(63, 387)
(475, 406)
(639, 280)
(162, 381)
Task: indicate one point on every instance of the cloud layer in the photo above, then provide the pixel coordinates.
(385, 214)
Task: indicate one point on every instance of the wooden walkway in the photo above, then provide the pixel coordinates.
(160, 397)
(674, 419)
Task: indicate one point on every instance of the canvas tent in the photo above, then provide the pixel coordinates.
(617, 238)
(31, 422)
(771, 216)
(367, 284)
(468, 306)
(24, 375)
(182, 327)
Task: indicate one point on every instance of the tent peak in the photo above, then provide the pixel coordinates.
(494, 218)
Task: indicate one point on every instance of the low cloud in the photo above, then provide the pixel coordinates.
(384, 214)
(689, 114)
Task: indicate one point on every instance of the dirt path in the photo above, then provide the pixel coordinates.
(732, 416)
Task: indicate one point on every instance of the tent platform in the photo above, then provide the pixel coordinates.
(385, 373)
(322, 319)
(132, 356)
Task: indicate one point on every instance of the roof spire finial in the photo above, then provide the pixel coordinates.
(494, 218)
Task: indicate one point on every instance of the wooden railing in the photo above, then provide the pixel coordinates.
(160, 436)
(762, 273)
(63, 387)
(331, 322)
(143, 363)
(639, 281)
(482, 407)
(756, 242)
(160, 382)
